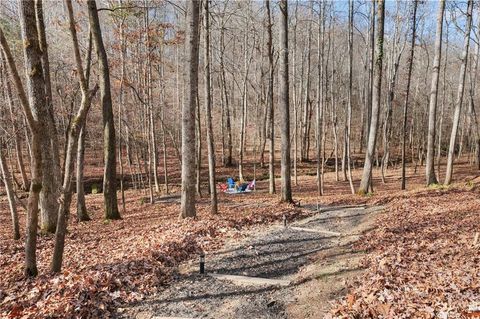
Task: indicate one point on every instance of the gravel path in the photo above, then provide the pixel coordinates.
(274, 253)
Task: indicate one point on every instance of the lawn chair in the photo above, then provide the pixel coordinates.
(230, 182)
(223, 187)
(251, 186)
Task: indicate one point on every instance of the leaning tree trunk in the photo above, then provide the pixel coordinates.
(432, 113)
(74, 130)
(284, 105)
(377, 85)
(110, 173)
(188, 110)
(459, 100)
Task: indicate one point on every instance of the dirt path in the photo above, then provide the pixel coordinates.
(297, 270)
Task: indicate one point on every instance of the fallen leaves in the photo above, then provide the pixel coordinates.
(110, 264)
(422, 263)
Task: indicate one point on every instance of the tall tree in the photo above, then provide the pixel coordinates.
(349, 102)
(75, 127)
(271, 119)
(109, 149)
(33, 107)
(188, 109)
(460, 92)
(208, 111)
(377, 86)
(50, 158)
(284, 101)
(432, 110)
(407, 90)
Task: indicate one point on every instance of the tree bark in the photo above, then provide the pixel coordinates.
(73, 132)
(208, 112)
(460, 93)
(32, 107)
(7, 181)
(271, 119)
(349, 103)
(50, 158)
(284, 104)
(407, 91)
(110, 174)
(188, 110)
(82, 213)
(17, 139)
(432, 114)
(377, 84)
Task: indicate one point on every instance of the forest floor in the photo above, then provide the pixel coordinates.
(420, 259)
(275, 271)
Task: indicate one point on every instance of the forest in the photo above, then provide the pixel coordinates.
(239, 159)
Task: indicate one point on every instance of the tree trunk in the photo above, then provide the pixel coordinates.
(76, 126)
(208, 112)
(432, 114)
(110, 173)
(377, 84)
(271, 118)
(349, 105)
(229, 160)
(407, 91)
(284, 104)
(32, 107)
(82, 213)
(50, 158)
(7, 181)
(459, 100)
(188, 110)
(321, 26)
(17, 139)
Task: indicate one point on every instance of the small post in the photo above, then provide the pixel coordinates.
(284, 220)
(202, 262)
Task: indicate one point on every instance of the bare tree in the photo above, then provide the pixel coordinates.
(349, 103)
(110, 172)
(32, 107)
(50, 147)
(460, 92)
(75, 127)
(208, 111)
(188, 110)
(284, 104)
(271, 118)
(432, 113)
(377, 85)
(7, 181)
(407, 90)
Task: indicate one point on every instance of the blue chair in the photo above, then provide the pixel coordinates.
(230, 182)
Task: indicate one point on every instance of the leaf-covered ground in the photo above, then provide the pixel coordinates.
(109, 263)
(421, 258)
(423, 261)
